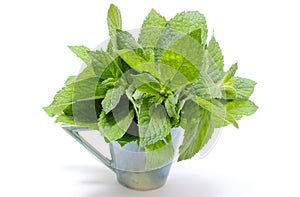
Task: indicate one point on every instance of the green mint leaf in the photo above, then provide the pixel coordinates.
(87, 72)
(62, 99)
(179, 43)
(166, 38)
(83, 113)
(87, 89)
(82, 53)
(216, 53)
(196, 34)
(65, 119)
(153, 121)
(112, 98)
(244, 87)
(127, 138)
(71, 79)
(216, 109)
(188, 22)
(176, 70)
(171, 106)
(154, 19)
(105, 66)
(228, 92)
(69, 120)
(137, 95)
(136, 99)
(124, 40)
(240, 108)
(207, 85)
(179, 64)
(183, 46)
(68, 111)
(129, 93)
(86, 111)
(230, 73)
(113, 125)
(236, 109)
(150, 34)
(140, 79)
(110, 48)
(151, 29)
(159, 144)
(147, 84)
(159, 153)
(211, 69)
(206, 88)
(180, 106)
(238, 88)
(108, 83)
(198, 126)
(138, 63)
(114, 19)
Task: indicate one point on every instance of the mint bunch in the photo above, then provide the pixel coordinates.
(137, 90)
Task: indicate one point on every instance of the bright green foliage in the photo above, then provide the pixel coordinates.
(151, 29)
(76, 91)
(167, 36)
(239, 108)
(244, 87)
(69, 120)
(189, 22)
(199, 128)
(62, 99)
(127, 138)
(159, 153)
(176, 70)
(124, 40)
(71, 79)
(153, 121)
(216, 110)
(171, 106)
(205, 87)
(104, 65)
(112, 98)
(82, 53)
(113, 125)
(215, 53)
(136, 91)
(236, 109)
(146, 83)
(230, 73)
(138, 63)
(114, 20)
(88, 89)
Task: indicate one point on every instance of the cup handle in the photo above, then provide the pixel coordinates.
(74, 132)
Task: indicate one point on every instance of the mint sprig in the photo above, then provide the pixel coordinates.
(139, 90)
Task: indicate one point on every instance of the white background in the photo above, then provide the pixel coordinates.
(39, 159)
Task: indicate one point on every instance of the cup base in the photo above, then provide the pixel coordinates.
(144, 181)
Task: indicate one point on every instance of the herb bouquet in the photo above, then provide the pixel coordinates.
(137, 90)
